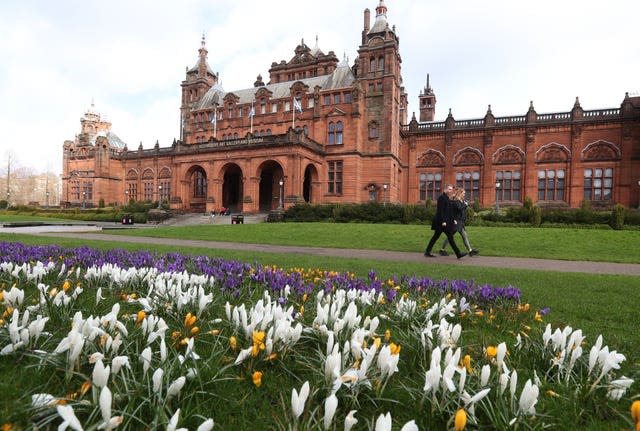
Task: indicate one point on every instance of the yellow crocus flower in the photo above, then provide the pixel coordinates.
(394, 348)
(233, 343)
(460, 421)
(189, 320)
(66, 286)
(387, 335)
(635, 412)
(257, 378)
(140, 317)
(466, 362)
(491, 351)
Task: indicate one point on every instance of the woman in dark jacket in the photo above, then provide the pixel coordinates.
(460, 214)
(443, 222)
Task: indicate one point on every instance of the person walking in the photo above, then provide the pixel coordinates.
(444, 222)
(459, 214)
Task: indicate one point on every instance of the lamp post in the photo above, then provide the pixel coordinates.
(497, 193)
(384, 198)
(281, 182)
(160, 196)
(126, 197)
(84, 197)
(8, 201)
(47, 201)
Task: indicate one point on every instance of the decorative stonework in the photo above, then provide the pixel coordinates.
(430, 158)
(509, 154)
(468, 156)
(601, 150)
(132, 174)
(552, 152)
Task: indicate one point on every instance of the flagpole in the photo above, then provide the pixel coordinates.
(251, 114)
(293, 108)
(215, 121)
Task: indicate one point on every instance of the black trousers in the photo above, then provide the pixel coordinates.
(436, 235)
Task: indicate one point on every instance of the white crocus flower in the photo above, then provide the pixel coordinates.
(100, 375)
(299, 399)
(410, 426)
(330, 406)
(383, 423)
(145, 358)
(500, 354)
(105, 403)
(69, 418)
(42, 400)
(206, 425)
(118, 362)
(350, 420)
(528, 398)
(157, 380)
(485, 374)
(619, 387)
(176, 387)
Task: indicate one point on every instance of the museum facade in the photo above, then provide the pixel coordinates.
(323, 131)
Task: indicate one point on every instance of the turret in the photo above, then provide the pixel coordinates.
(427, 101)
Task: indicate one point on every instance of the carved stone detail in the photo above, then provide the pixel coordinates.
(430, 158)
(508, 156)
(468, 156)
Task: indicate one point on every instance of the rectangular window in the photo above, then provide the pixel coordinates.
(372, 88)
(430, 186)
(287, 106)
(598, 184)
(470, 182)
(239, 112)
(336, 98)
(148, 191)
(551, 185)
(509, 189)
(274, 108)
(327, 99)
(347, 97)
(334, 184)
(310, 102)
(263, 108)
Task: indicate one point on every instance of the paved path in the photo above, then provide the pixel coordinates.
(486, 261)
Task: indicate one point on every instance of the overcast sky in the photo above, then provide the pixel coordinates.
(129, 57)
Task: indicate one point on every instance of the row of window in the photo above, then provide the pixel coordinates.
(261, 108)
(150, 192)
(81, 190)
(597, 186)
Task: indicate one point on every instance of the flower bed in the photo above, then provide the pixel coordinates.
(143, 341)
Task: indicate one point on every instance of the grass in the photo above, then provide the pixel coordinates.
(600, 245)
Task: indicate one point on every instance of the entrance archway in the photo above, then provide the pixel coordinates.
(232, 189)
(310, 175)
(197, 193)
(271, 194)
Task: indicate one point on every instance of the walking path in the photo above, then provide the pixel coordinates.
(92, 233)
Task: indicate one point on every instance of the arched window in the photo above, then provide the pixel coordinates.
(224, 137)
(199, 184)
(372, 64)
(381, 63)
(235, 135)
(306, 130)
(268, 132)
(335, 133)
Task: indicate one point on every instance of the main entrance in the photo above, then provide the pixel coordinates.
(232, 189)
(271, 192)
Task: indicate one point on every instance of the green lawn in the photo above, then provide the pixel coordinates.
(600, 245)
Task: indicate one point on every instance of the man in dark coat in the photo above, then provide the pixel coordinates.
(444, 222)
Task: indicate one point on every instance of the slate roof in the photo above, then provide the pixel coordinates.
(342, 77)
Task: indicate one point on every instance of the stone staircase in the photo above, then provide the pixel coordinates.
(195, 219)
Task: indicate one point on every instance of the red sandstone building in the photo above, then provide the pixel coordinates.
(322, 131)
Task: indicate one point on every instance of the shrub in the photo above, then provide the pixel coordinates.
(617, 217)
